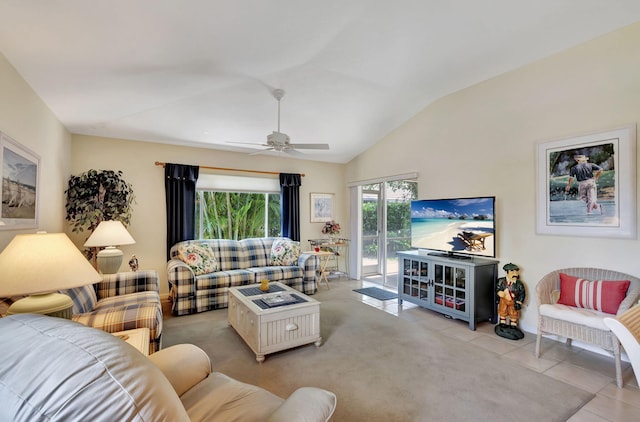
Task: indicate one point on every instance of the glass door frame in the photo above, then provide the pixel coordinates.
(357, 221)
(375, 268)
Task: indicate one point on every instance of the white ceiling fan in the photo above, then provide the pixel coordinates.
(280, 142)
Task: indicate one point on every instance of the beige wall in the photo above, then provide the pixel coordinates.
(148, 227)
(26, 119)
(481, 141)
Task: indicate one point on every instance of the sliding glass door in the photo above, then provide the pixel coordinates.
(385, 228)
(371, 230)
(398, 196)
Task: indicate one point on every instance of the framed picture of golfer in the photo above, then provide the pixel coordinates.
(20, 170)
(586, 185)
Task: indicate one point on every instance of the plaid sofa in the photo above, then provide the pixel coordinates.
(241, 262)
(122, 301)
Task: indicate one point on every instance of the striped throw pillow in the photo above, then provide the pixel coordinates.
(599, 295)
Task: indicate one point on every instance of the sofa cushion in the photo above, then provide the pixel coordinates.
(285, 252)
(199, 257)
(230, 253)
(599, 295)
(258, 251)
(277, 273)
(224, 279)
(84, 298)
(222, 398)
(581, 316)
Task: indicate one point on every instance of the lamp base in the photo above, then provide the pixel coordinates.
(51, 304)
(109, 260)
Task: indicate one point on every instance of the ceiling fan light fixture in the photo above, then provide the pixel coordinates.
(278, 94)
(277, 138)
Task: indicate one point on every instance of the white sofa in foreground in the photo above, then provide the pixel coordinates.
(78, 373)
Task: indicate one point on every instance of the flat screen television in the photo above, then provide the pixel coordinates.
(455, 227)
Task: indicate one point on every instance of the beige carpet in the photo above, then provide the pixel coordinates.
(385, 368)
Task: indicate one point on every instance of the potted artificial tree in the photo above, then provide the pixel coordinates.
(97, 195)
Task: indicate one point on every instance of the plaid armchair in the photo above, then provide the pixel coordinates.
(123, 301)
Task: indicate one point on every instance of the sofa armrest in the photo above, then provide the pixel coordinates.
(127, 282)
(179, 275)
(306, 404)
(547, 287)
(182, 287)
(184, 365)
(309, 263)
(632, 297)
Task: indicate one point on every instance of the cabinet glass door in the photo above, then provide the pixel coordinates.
(423, 280)
(408, 277)
(415, 279)
(450, 286)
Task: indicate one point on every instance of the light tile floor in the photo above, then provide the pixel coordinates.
(584, 369)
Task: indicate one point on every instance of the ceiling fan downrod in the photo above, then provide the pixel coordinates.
(278, 94)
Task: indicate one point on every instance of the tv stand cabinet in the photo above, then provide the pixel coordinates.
(458, 288)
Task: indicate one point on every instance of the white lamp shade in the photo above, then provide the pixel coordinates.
(43, 262)
(109, 233)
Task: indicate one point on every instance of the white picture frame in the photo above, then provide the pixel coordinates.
(20, 185)
(322, 207)
(563, 210)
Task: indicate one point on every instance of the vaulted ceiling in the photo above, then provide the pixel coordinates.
(201, 72)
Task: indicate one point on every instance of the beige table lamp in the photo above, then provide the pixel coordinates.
(109, 234)
(38, 265)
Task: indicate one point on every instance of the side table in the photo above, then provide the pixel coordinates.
(340, 247)
(138, 338)
(324, 257)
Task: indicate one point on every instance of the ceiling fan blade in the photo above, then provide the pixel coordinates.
(309, 146)
(247, 143)
(293, 152)
(261, 151)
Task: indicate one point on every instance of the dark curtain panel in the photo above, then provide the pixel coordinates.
(290, 205)
(180, 186)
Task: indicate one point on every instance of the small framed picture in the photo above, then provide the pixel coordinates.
(322, 207)
(20, 177)
(587, 185)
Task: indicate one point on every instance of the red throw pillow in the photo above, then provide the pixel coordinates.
(599, 295)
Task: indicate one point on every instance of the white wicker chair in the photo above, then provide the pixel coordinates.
(547, 293)
(627, 328)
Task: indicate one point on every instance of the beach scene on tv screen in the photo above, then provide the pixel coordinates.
(464, 225)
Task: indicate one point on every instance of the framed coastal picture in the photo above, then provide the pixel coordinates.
(20, 177)
(586, 185)
(322, 207)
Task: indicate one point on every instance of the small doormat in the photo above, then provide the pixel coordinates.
(377, 293)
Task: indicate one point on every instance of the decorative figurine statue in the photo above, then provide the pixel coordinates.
(133, 263)
(511, 292)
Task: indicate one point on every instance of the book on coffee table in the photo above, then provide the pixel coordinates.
(278, 300)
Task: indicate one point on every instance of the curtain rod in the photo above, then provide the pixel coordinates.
(160, 163)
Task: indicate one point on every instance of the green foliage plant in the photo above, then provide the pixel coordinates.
(236, 215)
(98, 195)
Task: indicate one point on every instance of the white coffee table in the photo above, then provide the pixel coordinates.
(271, 329)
